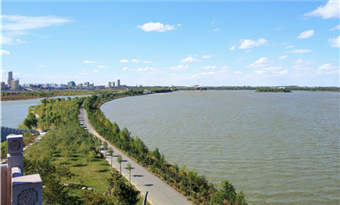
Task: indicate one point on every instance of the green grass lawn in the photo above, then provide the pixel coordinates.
(92, 175)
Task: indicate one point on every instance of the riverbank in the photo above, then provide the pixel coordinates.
(26, 95)
(196, 187)
(158, 191)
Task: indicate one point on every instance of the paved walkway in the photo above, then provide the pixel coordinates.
(159, 192)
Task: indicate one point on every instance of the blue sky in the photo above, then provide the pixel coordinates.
(221, 43)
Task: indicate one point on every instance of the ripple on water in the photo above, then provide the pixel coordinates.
(278, 148)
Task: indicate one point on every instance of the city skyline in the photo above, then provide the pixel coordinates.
(220, 43)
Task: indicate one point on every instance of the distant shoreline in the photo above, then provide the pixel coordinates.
(26, 95)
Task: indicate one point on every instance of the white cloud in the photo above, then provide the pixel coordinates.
(83, 72)
(327, 66)
(238, 72)
(271, 71)
(4, 52)
(201, 75)
(5, 40)
(135, 61)
(330, 10)
(327, 69)
(224, 68)
(209, 67)
(302, 65)
(206, 56)
(301, 51)
(260, 63)
(159, 27)
(126, 69)
(15, 22)
(335, 28)
(232, 48)
(180, 67)
(88, 61)
(248, 43)
(147, 61)
(291, 46)
(15, 25)
(101, 66)
(124, 61)
(146, 69)
(279, 28)
(216, 29)
(306, 34)
(96, 71)
(189, 59)
(282, 57)
(334, 42)
(20, 41)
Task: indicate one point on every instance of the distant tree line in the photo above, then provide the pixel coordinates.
(273, 90)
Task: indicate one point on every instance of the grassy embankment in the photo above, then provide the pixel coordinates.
(188, 182)
(68, 154)
(23, 95)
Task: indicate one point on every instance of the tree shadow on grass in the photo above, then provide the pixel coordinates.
(103, 170)
(79, 165)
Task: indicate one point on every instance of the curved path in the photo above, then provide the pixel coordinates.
(159, 193)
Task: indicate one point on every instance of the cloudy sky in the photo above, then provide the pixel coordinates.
(172, 43)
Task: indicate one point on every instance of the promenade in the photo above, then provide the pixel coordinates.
(159, 193)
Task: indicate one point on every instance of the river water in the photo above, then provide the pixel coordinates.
(14, 112)
(280, 148)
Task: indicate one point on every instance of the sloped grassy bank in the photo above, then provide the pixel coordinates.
(68, 159)
(188, 182)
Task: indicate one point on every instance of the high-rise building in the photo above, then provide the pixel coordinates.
(15, 85)
(118, 83)
(3, 86)
(111, 84)
(10, 78)
(71, 84)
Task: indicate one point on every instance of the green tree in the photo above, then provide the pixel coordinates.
(240, 199)
(30, 121)
(93, 198)
(129, 168)
(90, 157)
(125, 193)
(53, 192)
(156, 153)
(43, 102)
(105, 148)
(176, 173)
(228, 191)
(120, 159)
(111, 154)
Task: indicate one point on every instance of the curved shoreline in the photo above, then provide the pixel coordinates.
(159, 191)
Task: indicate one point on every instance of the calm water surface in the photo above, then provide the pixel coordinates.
(14, 112)
(278, 148)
